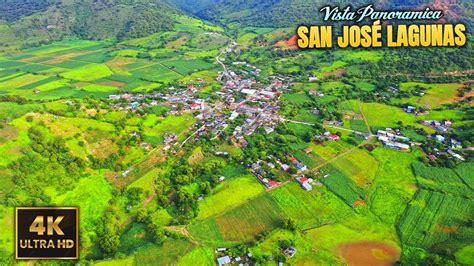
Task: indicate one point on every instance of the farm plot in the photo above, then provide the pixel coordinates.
(63, 46)
(156, 73)
(55, 93)
(166, 254)
(310, 159)
(359, 165)
(466, 172)
(6, 75)
(381, 116)
(88, 72)
(357, 125)
(394, 184)
(229, 194)
(68, 64)
(12, 85)
(7, 224)
(365, 86)
(186, 67)
(96, 57)
(433, 217)
(33, 68)
(331, 241)
(13, 110)
(435, 94)
(174, 124)
(343, 186)
(69, 126)
(198, 256)
(329, 149)
(92, 202)
(310, 209)
(441, 179)
(299, 98)
(243, 223)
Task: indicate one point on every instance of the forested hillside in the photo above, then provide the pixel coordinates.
(11, 10)
(41, 21)
(288, 13)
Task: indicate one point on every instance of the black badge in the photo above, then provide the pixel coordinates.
(46, 233)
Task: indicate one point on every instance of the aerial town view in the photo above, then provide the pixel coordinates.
(199, 133)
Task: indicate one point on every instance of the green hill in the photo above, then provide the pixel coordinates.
(289, 13)
(90, 19)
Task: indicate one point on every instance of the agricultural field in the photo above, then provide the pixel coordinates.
(228, 195)
(375, 244)
(433, 217)
(242, 223)
(435, 95)
(312, 209)
(394, 184)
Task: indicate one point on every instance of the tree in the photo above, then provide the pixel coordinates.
(134, 195)
(205, 187)
(110, 243)
(142, 216)
(289, 224)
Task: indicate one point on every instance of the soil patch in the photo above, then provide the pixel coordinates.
(372, 253)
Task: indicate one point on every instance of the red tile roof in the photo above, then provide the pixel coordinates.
(303, 179)
(272, 183)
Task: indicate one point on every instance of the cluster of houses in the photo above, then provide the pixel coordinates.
(440, 126)
(246, 68)
(179, 99)
(447, 151)
(328, 136)
(245, 97)
(224, 259)
(393, 139)
(451, 144)
(170, 140)
(257, 103)
(262, 175)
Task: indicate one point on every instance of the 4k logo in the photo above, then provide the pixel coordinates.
(46, 233)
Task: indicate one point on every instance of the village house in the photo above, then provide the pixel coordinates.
(290, 251)
(297, 164)
(305, 182)
(440, 138)
(455, 155)
(390, 138)
(225, 260)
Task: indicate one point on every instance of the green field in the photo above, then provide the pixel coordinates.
(88, 72)
(310, 209)
(242, 223)
(432, 218)
(186, 67)
(229, 194)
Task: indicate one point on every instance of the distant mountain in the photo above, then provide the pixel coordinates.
(36, 21)
(261, 13)
(289, 13)
(39, 20)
